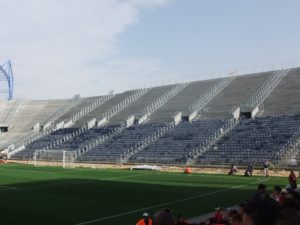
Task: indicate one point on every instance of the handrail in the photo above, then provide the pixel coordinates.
(146, 142)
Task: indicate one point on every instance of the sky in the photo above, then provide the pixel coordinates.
(59, 48)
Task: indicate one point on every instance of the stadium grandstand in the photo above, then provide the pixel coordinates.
(241, 118)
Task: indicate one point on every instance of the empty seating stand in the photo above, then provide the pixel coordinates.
(178, 145)
(113, 149)
(254, 140)
(84, 138)
(266, 137)
(235, 94)
(43, 142)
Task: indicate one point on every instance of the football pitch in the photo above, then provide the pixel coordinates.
(56, 196)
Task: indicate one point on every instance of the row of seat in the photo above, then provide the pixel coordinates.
(256, 139)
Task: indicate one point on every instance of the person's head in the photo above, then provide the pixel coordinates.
(292, 172)
(163, 217)
(276, 189)
(261, 188)
(289, 192)
(146, 215)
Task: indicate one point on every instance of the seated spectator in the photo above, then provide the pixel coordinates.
(145, 220)
(210, 221)
(260, 192)
(218, 216)
(164, 217)
(181, 220)
(290, 213)
(236, 219)
(226, 215)
(232, 212)
(241, 208)
(288, 217)
(292, 200)
(277, 194)
(261, 212)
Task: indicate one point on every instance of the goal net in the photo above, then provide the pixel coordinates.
(54, 158)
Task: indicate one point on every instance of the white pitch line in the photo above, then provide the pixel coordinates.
(60, 184)
(167, 203)
(2, 187)
(31, 171)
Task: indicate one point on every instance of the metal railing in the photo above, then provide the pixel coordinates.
(200, 103)
(163, 99)
(266, 88)
(146, 142)
(218, 74)
(124, 104)
(59, 112)
(94, 143)
(210, 141)
(91, 107)
(37, 135)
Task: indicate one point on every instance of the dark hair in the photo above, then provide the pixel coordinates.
(163, 217)
(277, 188)
(261, 187)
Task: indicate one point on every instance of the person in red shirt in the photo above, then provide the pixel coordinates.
(218, 216)
(145, 220)
(277, 194)
(292, 180)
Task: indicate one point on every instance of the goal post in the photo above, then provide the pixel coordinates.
(61, 158)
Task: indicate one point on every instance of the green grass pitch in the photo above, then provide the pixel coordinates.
(56, 196)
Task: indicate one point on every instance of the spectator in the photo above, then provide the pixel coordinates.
(225, 215)
(288, 217)
(145, 220)
(290, 214)
(218, 216)
(181, 220)
(292, 199)
(164, 217)
(260, 193)
(261, 212)
(210, 221)
(277, 194)
(241, 208)
(236, 219)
